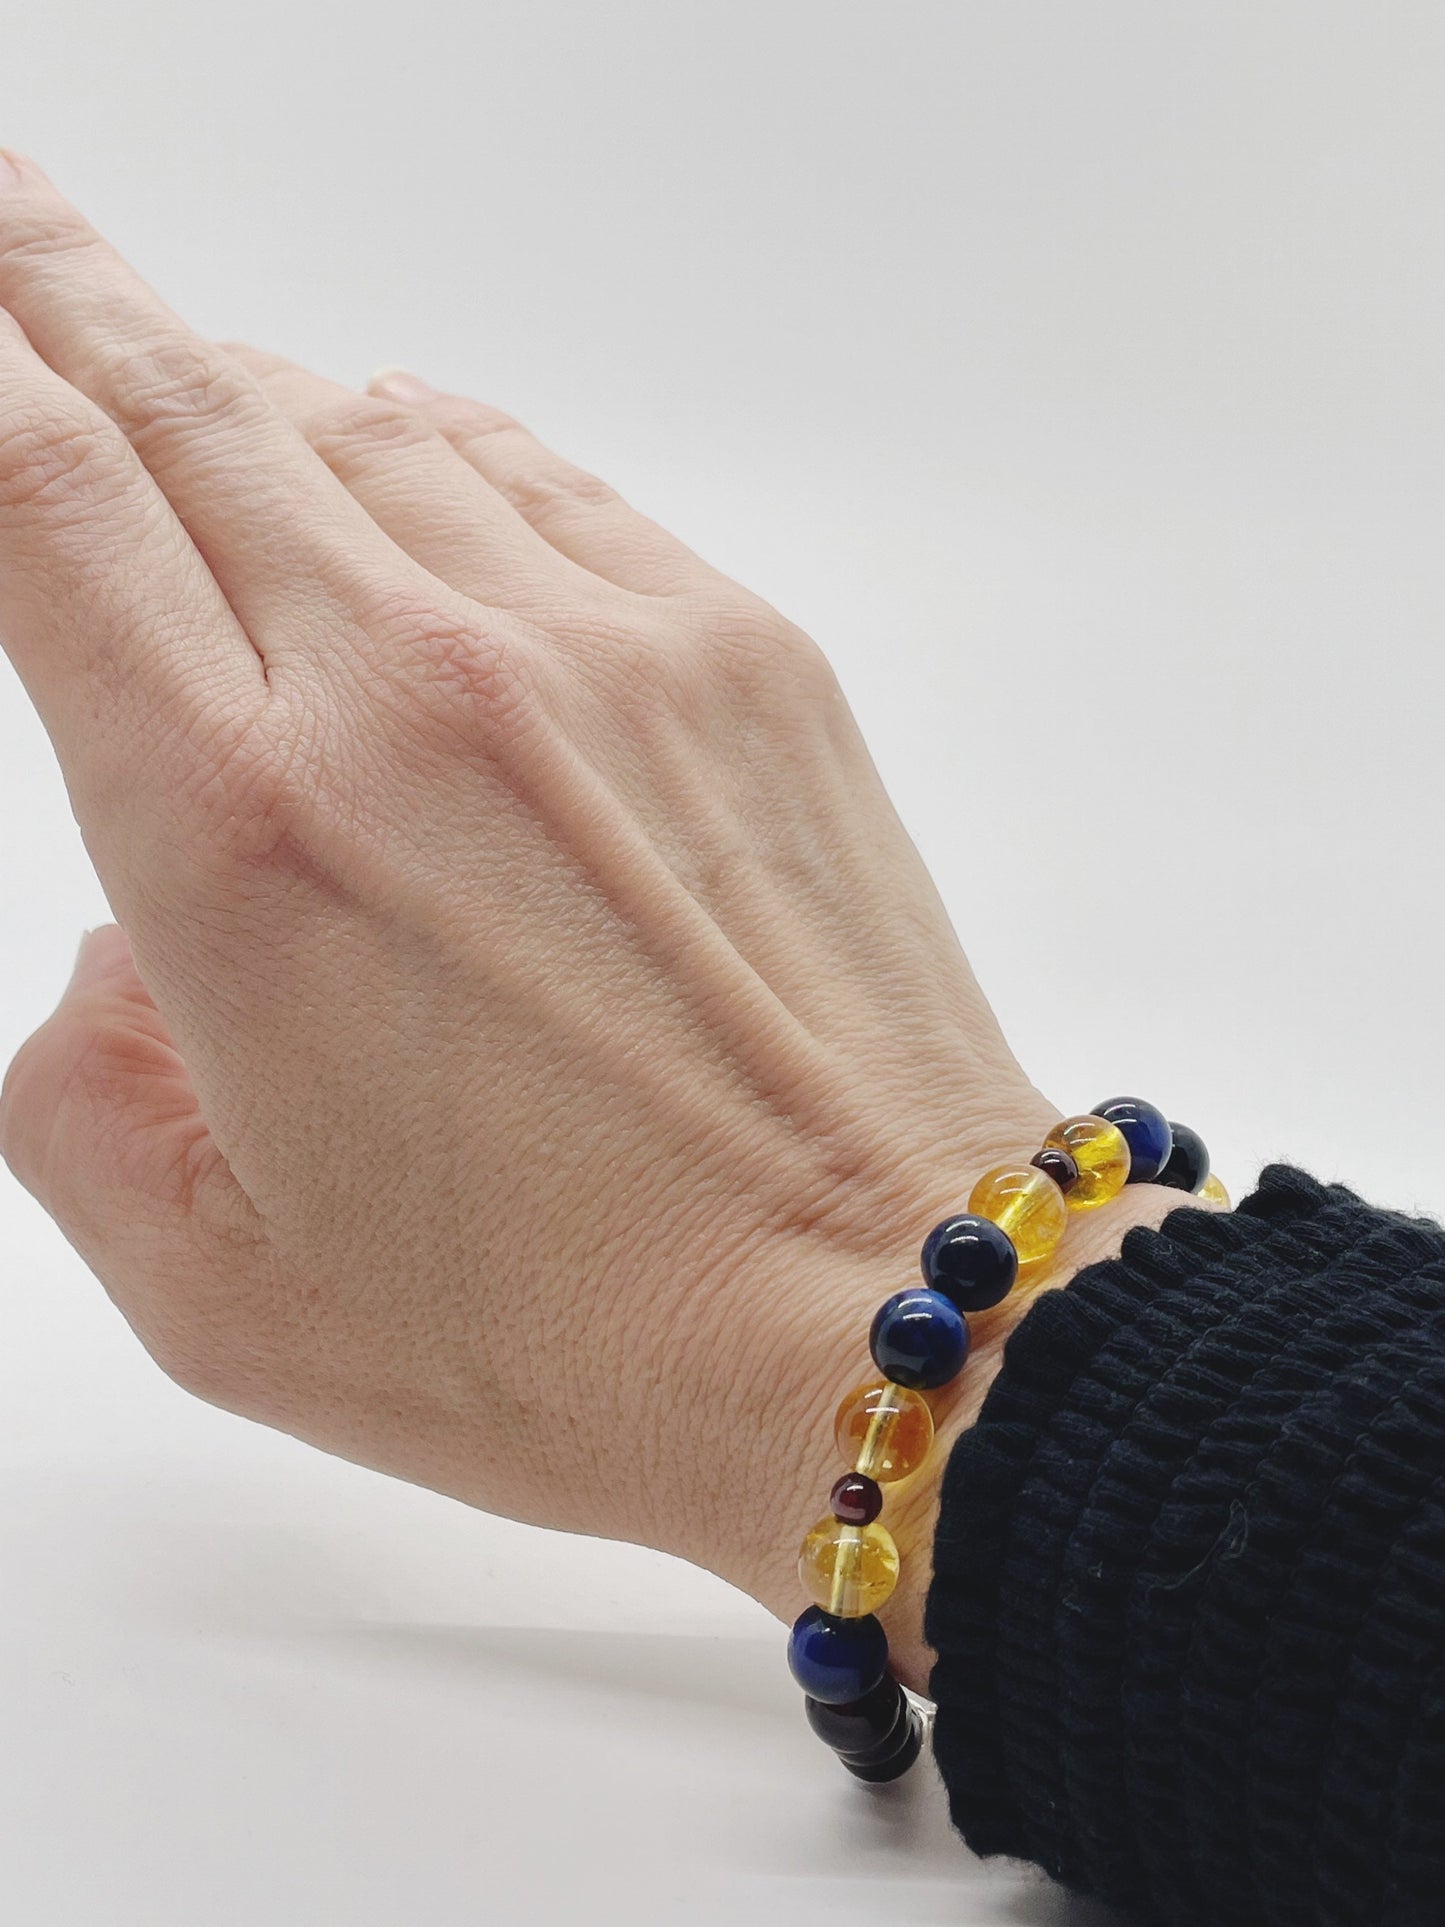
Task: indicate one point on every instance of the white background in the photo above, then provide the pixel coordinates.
(1074, 374)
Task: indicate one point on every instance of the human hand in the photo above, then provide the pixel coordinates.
(535, 1046)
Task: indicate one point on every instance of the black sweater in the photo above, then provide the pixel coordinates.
(1189, 1588)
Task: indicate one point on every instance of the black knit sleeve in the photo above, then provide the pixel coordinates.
(1189, 1576)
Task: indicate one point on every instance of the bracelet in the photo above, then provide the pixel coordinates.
(1016, 1216)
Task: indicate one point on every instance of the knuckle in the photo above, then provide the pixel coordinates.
(343, 428)
(65, 1107)
(247, 801)
(757, 651)
(540, 490)
(68, 1110)
(474, 423)
(107, 1057)
(798, 667)
(258, 360)
(49, 458)
(472, 684)
(172, 382)
(255, 807)
(465, 675)
(39, 226)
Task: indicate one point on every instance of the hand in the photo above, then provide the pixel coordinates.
(535, 1046)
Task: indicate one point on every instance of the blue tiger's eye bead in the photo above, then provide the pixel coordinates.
(1146, 1132)
(837, 1661)
(919, 1339)
(970, 1260)
(1188, 1166)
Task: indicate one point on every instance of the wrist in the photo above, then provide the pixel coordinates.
(809, 1350)
(1093, 1237)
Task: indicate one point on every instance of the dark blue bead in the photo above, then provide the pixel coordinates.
(919, 1339)
(1146, 1132)
(867, 1729)
(836, 1661)
(1188, 1165)
(971, 1261)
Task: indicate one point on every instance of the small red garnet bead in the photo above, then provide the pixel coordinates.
(856, 1499)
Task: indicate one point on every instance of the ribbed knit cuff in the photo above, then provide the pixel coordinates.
(1189, 1575)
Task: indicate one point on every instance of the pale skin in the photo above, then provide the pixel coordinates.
(530, 1046)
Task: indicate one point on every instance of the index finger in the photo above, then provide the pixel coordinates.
(113, 621)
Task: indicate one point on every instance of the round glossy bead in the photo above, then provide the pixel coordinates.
(1026, 1206)
(848, 1570)
(895, 1764)
(856, 1499)
(1058, 1165)
(1214, 1191)
(884, 1431)
(1146, 1129)
(970, 1260)
(835, 1660)
(919, 1338)
(1188, 1165)
(1101, 1153)
(871, 1726)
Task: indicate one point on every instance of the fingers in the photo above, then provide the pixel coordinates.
(578, 515)
(115, 625)
(98, 1120)
(262, 511)
(418, 489)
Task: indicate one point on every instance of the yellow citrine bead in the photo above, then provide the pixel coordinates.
(1214, 1191)
(1025, 1204)
(1101, 1152)
(848, 1570)
(884, 1430)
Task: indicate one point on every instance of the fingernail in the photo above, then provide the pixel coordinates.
(9, 172)
(87, 947)
(399, 384)
(91, 956)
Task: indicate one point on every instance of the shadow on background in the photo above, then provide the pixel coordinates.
(893, 1834)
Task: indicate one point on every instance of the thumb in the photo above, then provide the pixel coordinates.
(100, 1122)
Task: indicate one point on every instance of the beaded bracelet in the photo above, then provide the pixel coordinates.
(838, 1650)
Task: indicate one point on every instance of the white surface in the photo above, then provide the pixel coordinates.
(1073, 374)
